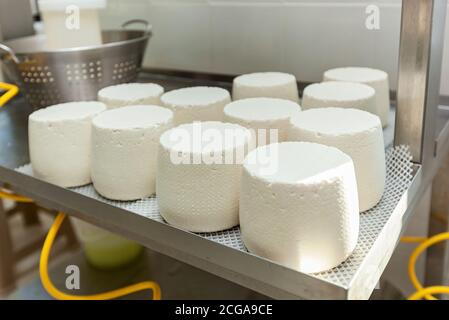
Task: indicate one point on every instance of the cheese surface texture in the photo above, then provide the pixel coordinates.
(129, 94)
(265, 84)
(198, 176)
(298, 205)
(358, 134)
(196, 104)
(263, 115)
(339, 95)
(59, 142)
(124, 150)
(377, 79)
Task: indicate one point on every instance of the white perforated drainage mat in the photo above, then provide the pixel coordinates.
(399, 177)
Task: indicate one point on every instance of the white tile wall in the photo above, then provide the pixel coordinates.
(182, 35)
(319, 37)
(304, 37)
(245, 37)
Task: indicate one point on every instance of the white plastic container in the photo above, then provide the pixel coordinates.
(71, 23)
(103, 249)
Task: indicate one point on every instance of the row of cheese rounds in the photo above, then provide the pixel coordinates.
(368, 91)
(298, 202)
(352, 87)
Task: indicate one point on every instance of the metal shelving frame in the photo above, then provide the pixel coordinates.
(418, 126)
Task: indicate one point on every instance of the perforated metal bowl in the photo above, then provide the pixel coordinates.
(76, 74)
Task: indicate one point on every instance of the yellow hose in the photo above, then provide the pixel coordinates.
(424, 244)
(413, 239)
(57, 294)
(13, 197)
(11, 92)
(43, 266)
(428, 292)
(150, 285)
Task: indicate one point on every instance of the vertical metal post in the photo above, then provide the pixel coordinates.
(418, 94)
(420, 60)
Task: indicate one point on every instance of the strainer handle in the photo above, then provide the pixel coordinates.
(9, 51)
(146, 24)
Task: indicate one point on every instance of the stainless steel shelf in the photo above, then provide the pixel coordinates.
(223, 253)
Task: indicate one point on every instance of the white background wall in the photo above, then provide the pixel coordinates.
(236, 36)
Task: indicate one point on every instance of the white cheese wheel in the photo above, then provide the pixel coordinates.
(196, 104)
(59, 141)
(129, 94)
(124, 150)
(265, 84)
(298, 205)
(268, 117)
(195, 191)
(377, 79)
(358, 134)
(339, 95)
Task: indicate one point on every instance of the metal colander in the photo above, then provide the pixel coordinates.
(51, 77)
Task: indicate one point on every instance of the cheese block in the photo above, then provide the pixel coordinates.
(59, 142)
(198, 176)
(356, 133)
(339, 95)
(129, 94)
(124, 150)
(196, 104)
(377, 79)
(269, 118)
(298, 205)
(265, 84)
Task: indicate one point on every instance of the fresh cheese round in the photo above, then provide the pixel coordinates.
(129, 94)
(59, 142)
(124, 150)
(339, 95)
(196, 104)
(265, 84)
(377, 79)
(358, 134)
(269, 118)
(198, 176)
(298, 205)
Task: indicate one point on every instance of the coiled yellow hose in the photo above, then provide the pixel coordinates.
(54, 292)
(43, 266)
(428, 292)
(425, 243)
